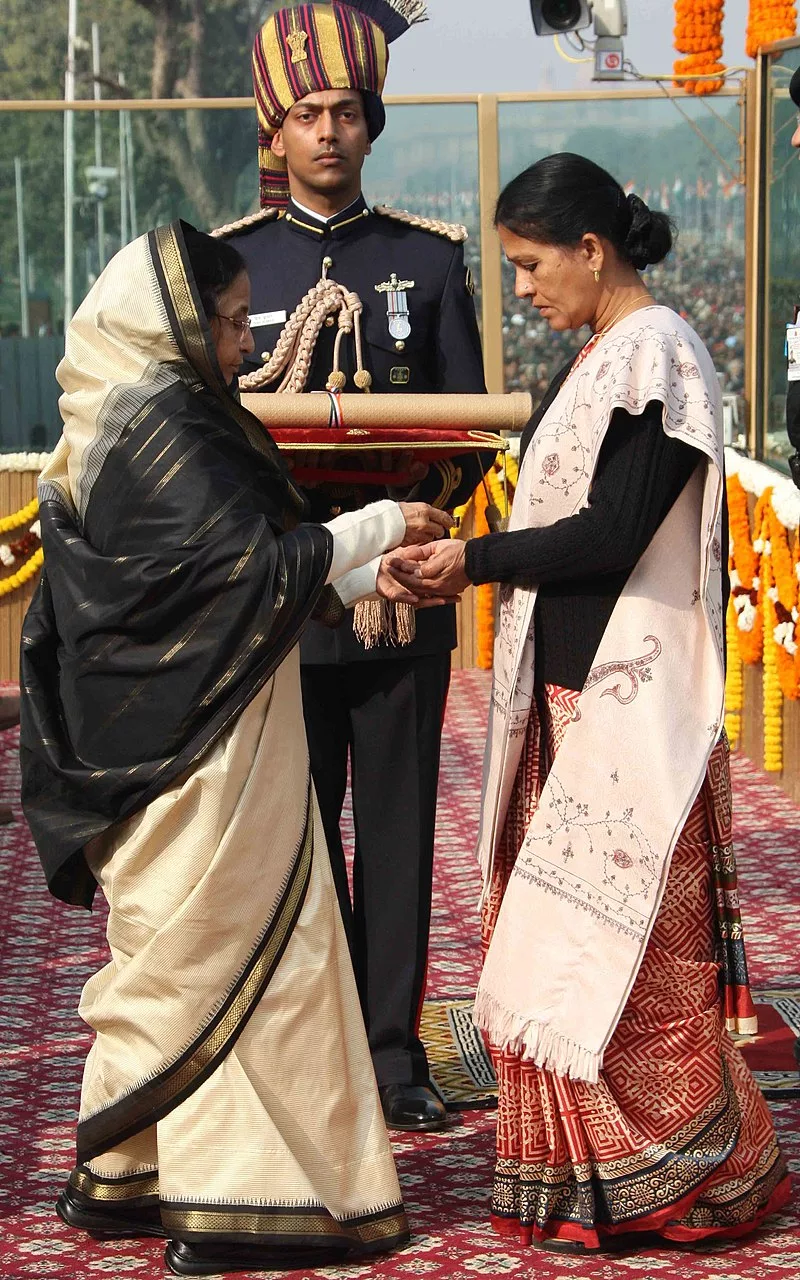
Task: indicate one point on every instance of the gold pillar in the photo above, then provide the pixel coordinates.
(491, 277)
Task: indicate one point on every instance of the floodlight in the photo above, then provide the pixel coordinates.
(554, 17)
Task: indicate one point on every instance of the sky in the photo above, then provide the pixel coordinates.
(489, 46)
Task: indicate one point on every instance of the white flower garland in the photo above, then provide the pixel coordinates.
(23, 461)
(755, 477)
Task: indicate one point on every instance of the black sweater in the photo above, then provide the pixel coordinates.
(581, 563)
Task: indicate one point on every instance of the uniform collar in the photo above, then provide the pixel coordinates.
(337, 227)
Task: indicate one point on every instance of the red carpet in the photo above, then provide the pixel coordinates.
(48, 951)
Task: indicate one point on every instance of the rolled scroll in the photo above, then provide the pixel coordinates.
(319, 411)
(371, 439)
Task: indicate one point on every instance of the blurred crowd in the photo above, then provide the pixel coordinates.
(702, 279)
(703, 283)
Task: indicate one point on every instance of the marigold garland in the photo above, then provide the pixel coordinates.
(762, 623)
(498, 488)
(698, 35)
(772, 694)
(23, 574)
(734, 679)
(484, 593)
(745, 582)
(21, 517)
(10, 552)
(781, 624)
(21, 548)
(768, 21)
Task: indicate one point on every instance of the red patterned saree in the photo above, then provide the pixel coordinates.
(675, 1138)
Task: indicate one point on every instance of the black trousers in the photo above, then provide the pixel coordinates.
(387, 715)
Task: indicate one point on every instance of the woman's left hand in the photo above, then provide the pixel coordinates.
(433, 570)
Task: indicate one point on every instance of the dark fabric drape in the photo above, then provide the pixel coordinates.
(158, 617)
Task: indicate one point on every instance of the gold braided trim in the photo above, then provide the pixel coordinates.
(132, 1186)
(249, 220)
(294, 349)
(280, 1220)
(451, 475)
(455, 231)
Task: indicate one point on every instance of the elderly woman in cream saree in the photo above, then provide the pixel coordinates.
(228, 1101)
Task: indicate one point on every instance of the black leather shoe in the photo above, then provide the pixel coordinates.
(412, 1107)
(112, 1222)
(219, 1259)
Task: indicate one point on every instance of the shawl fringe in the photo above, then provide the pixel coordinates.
(536, 1041)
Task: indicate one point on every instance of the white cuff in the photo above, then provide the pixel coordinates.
(360, 536)
(358, 584)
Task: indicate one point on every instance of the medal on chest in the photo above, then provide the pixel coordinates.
(396, 306)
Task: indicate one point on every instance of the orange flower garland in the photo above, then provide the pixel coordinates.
(698, 34)
(767, 21)
(744, 565)
(781, 623)
(484, 594)
(734, 679)
(762, 623)
(772, 694)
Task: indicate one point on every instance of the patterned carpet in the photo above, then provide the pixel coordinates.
(48, 951)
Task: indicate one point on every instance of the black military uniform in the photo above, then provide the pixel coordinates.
(385, 705)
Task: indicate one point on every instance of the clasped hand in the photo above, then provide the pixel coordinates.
(424, 575)
(425, 526)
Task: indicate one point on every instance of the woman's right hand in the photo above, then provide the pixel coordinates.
(423, 523)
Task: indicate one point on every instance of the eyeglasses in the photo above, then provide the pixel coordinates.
(241, 325)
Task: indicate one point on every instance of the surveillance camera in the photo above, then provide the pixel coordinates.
(610, 18)
(554, 17)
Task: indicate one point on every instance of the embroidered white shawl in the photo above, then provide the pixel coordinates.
(590, 874)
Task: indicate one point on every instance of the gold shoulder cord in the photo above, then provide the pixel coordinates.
(454, 231)
(294, 349)
(241, 224)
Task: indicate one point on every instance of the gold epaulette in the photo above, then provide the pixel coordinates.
(454, 231)
(249, 220)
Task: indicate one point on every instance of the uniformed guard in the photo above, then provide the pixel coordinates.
(318, 72)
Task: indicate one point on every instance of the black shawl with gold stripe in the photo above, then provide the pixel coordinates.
(176, 576)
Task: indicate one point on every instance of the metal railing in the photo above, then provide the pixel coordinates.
(640, 134)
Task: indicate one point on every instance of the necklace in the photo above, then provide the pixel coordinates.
(628, 306)
(599, 333)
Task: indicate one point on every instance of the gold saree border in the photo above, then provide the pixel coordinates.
(282, 1224)
(155, 1097)
(191, 332)
(184, 310)
(110, 1190)
(637, 1185)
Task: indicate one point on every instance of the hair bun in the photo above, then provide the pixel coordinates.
(649, 237)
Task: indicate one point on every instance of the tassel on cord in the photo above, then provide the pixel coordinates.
(383, 622)
(394, 17)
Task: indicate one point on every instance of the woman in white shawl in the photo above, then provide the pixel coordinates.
(614, 958)
(228, 1101)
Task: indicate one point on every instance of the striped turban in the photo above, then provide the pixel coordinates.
(311, 47)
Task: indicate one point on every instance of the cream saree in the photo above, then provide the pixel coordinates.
(228, 1016)
(229, 1088)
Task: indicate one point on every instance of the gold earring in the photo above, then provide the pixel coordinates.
(597, 277)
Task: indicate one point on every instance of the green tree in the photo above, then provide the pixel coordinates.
(196, 164)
